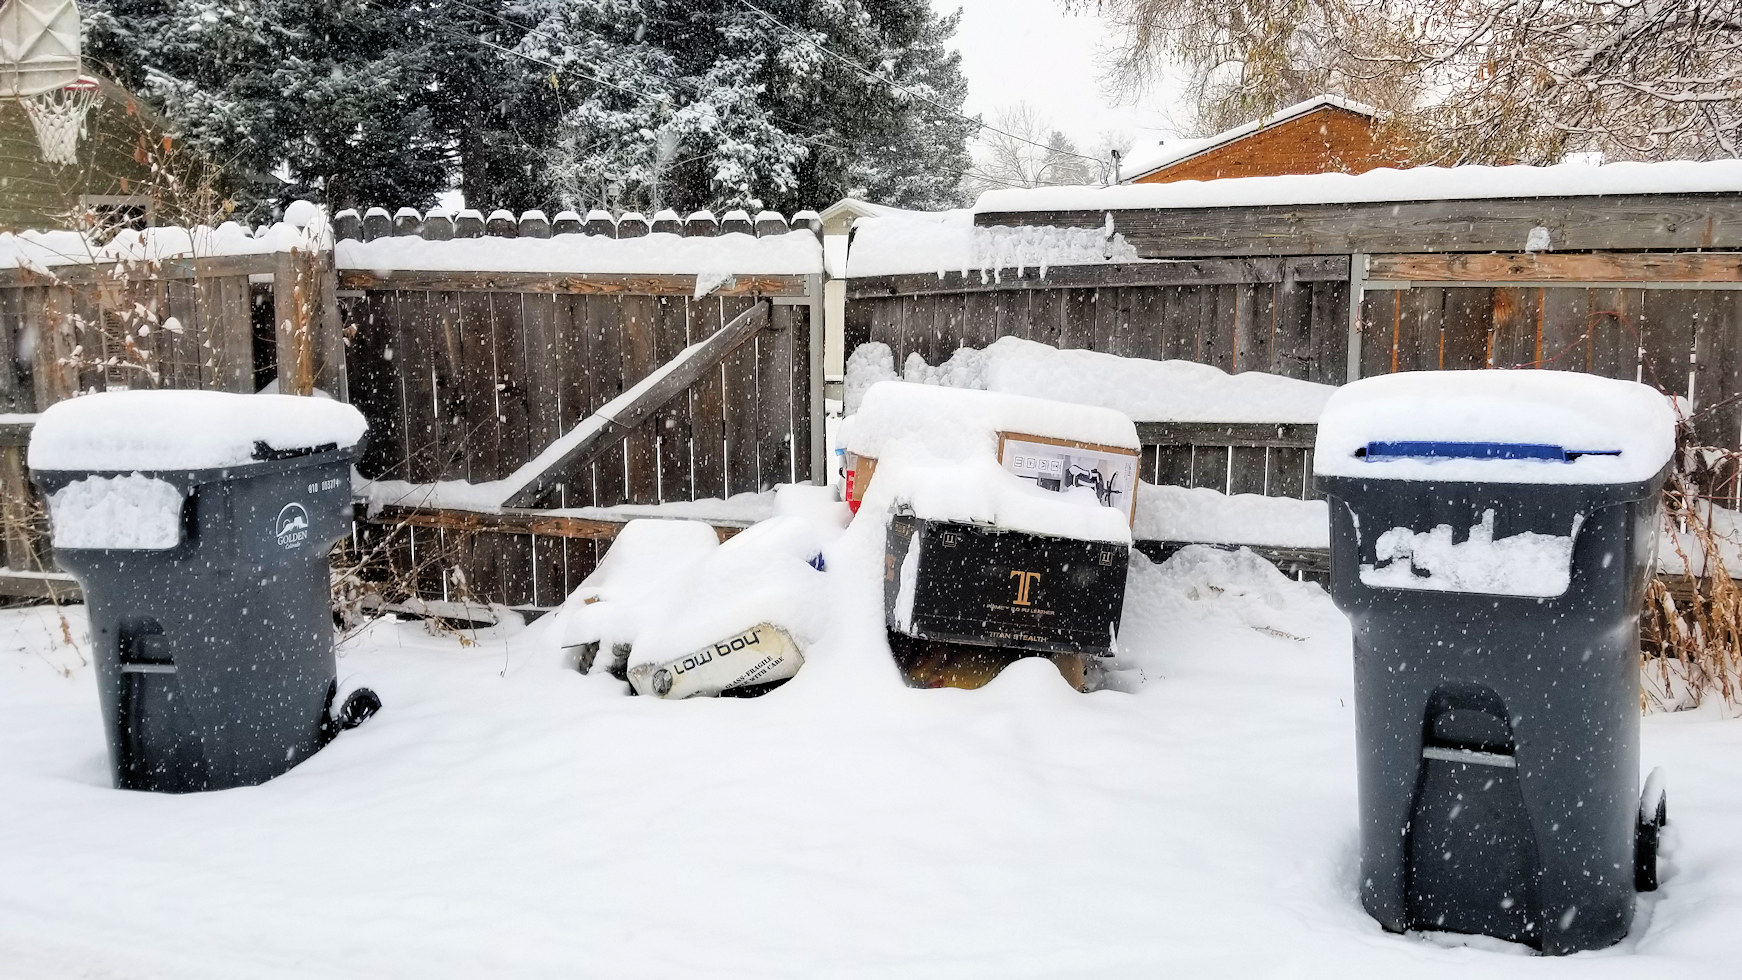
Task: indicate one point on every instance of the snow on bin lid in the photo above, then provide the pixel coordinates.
(184, 430)
(1496, 426)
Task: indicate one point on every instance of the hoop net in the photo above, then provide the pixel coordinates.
(58, 116)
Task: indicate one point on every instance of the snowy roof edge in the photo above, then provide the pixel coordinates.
(1185, 149)
(1384, 185)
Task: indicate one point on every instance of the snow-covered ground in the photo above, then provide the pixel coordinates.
(505, 817)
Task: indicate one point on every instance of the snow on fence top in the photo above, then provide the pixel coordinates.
(663, 253)
(910, 242)
(937, 457)
(1150, 391)
(1616, 431)
(44, 249)
(440, 224)
(1384, 184)
(122, 431)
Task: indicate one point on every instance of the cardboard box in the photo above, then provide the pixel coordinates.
(856, 473)
(973, 583)
(1099, 475)
(1079, 469)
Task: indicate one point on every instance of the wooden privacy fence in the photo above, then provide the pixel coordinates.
(1286, 316)
(1643, 287)
(188, 323)
(463, 376)
(469, 377)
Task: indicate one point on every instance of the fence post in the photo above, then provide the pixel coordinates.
(1357, 286)
(818, 408)
(311, 342)
(16, 551)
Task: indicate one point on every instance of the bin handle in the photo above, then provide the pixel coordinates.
(1433, 449)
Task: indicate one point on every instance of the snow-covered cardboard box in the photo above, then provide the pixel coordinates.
(961, 582)
(1012, 515)
(1482, 481)
(1008, 460)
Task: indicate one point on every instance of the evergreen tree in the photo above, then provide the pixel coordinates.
(529, 103)
(294, 98)
(780, 103)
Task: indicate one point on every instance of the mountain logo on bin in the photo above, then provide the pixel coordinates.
(292, 525)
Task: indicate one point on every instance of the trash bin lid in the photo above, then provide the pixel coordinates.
(1431, 449)
(1496, 427)
(131, 431)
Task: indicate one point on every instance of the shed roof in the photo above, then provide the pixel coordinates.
(1167, 154)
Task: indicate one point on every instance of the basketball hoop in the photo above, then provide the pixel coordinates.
(58, 116)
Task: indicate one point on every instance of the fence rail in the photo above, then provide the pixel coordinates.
(467, 375)
(461, 375)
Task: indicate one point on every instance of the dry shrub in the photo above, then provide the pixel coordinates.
(1691, 627)
(379, 569)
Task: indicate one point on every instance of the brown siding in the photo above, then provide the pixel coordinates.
(34, 194)
(1326, 140)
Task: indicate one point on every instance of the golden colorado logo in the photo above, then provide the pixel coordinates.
(292, 525)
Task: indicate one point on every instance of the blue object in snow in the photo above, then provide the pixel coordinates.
(1477, 450)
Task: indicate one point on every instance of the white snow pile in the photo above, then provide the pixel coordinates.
(39, 251)
(1383, 184)
(505, 816)
(1526, 564)
(668, 587)
(1231, 588)
(120, 431)
(937, 457)
(1682, 552)
(920, 243)
(130, 512)
(1200, 514)
(717, 258)
(1146, 390)
(1631, 424)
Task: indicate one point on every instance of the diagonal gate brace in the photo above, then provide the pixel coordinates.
(598, 432)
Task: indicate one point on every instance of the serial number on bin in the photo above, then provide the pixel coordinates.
(325, 485)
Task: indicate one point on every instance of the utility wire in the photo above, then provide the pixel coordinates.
(868, 73)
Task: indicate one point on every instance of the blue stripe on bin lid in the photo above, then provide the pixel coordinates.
(1476, 450)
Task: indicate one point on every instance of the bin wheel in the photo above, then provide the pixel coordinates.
(359, 707)
(1653, 814)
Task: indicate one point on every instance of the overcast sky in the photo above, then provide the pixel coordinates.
(1032, 51)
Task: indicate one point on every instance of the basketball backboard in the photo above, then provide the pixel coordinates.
(39, 46)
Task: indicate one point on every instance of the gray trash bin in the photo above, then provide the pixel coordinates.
(1494, 586)
(206, 585)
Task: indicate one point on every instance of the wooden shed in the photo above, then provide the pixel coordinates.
(1324, 134)
(112, 172)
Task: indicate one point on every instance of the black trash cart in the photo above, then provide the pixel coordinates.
(208, 595)
(1496, 649)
